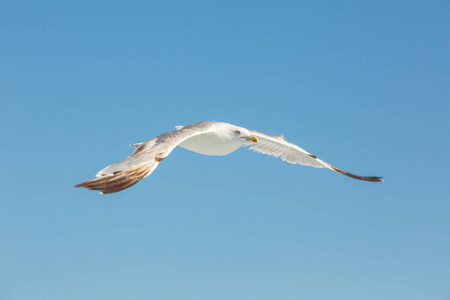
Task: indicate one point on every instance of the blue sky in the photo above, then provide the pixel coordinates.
(364, 85)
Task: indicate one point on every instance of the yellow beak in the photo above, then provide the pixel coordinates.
(251, 138)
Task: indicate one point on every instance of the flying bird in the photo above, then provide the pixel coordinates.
(208, 138)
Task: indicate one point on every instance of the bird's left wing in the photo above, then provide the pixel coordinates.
(143, 161)
(277, 146)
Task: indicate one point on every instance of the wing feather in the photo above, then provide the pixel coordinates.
(143, 161)
(277, 146)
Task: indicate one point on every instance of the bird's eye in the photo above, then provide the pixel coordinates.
(237, 132)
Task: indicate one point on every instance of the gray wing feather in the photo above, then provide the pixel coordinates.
(143, 161)
(277, 146)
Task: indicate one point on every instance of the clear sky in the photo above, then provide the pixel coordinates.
(364, 85)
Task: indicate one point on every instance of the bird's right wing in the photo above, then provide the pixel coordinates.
(143, 161)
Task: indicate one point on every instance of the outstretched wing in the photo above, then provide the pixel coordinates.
(277, 146)
(143, 161)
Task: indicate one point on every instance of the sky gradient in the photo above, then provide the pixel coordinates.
(364, 85)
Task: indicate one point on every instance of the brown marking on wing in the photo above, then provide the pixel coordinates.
(312, 155)
(158, 157)
(366, 178)
(118, 181)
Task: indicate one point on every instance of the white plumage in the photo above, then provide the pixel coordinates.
(208, 138)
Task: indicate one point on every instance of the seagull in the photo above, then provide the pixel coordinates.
(207, 138)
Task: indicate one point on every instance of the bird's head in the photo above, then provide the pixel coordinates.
(243, 133)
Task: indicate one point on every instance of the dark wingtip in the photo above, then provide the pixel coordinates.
(370, 178)
(365, 178)
(117, 181)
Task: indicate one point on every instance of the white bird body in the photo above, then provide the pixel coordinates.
(220, 141)
(207, 138)
(211, 144)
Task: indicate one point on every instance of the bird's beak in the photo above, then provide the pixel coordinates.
(250, 138)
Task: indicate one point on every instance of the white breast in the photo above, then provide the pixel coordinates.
(211, 144)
